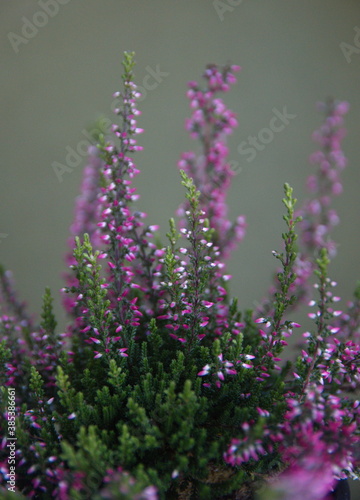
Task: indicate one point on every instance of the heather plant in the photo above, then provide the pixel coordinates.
(161, 387)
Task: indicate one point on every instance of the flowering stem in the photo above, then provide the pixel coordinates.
(197, 263)
(286, 277)
(323, 261)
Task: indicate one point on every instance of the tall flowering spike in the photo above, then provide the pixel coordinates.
(276, 327)
(318, 216)
(194, 302)
(211, 122)
(118, 225)
(128, 284)
(187, 272)
(131, 259)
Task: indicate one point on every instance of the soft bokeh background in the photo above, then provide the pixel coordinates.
(63, 78)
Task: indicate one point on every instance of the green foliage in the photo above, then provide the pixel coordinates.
(128, 64)
(5, 356)
(172, 235)
(286, 277)
(48, 319)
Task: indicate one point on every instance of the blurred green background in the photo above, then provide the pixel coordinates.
(61, 63)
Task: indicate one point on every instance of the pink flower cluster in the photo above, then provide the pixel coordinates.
(120, 482)
(247, 448)
(43, 349)
(132, 259)
(323, 448)
(211, 122)
(219, 370)
(328, 356)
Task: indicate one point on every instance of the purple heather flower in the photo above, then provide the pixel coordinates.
(211, 122)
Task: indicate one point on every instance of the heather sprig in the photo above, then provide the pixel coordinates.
(260, 435)
(317, 442)
(190, 270)
(132, 259)
(92, 298)
(38, 347)
(276, 327)
(199, 267)
(316, 343)
(211, 122)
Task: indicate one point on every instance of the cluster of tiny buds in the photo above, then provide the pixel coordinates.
(177, 312)
(222, 367)
(243, 450)
(271, 338)
(307, 444)
(219, 370)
